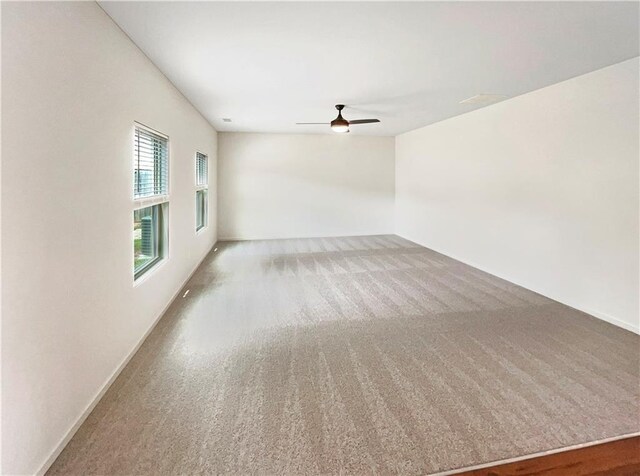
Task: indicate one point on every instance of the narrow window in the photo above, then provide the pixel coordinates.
(202, 185)
(151, 199)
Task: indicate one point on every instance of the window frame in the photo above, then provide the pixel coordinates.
(158, 200)
(160, 211)
(204, 189)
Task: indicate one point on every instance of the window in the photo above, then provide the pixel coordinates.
(202, 184)
(150, 164)
(151, 201)
(148, 237)
(201, 209)
(202, 169)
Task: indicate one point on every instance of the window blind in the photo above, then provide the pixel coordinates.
(202, 171)
(150, 164)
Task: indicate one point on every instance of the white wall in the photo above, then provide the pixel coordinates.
(301, 185)
(73, 85)
(541, 190)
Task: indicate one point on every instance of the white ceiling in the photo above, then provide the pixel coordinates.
(270, 65)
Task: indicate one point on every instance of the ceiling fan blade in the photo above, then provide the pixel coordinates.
(311, 123)
(364, 121)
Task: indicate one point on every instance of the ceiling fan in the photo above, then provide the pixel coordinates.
(340, 124)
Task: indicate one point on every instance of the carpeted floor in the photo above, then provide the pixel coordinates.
(356, 355)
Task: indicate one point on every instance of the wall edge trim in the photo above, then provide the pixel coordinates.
(302, 237)
(592, 312)
(44, 467)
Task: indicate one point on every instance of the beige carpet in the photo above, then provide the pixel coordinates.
(356, 355)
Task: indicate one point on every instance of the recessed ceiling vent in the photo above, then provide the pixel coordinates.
(484, 99)
(226, 119)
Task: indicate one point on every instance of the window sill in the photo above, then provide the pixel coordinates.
(149, 201)
(149, 272)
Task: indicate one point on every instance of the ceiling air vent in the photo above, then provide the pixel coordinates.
(484, 99)
(226, 119)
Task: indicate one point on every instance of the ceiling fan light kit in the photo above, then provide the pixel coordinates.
(339, 127)
(340, 124)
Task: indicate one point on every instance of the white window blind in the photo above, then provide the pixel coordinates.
(202, 171)
(150, 164)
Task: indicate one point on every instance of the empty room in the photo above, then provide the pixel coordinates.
(340, 238)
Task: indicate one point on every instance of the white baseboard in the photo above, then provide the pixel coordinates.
(87, 411)
(302, 237)
(597, 314)
(65, 440)
(606, 317)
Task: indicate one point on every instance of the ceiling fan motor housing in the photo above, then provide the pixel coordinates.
(339, 122)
